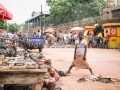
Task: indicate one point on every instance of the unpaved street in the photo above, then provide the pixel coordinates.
(103, 61)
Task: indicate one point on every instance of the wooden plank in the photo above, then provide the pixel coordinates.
(23, 71)
(21, 78)
(37, 87)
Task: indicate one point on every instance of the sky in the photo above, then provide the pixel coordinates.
(22, 9)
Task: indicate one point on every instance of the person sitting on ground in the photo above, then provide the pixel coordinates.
(51, 77)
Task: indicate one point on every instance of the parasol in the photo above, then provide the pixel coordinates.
(77, 29)
(4, 13)
(49, 30)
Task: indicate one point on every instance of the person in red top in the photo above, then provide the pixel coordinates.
(15, 35)
(106, 39)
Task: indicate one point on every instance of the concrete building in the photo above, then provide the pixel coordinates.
(111, 3)
(113, 10)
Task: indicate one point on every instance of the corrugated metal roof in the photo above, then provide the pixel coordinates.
(43, 12)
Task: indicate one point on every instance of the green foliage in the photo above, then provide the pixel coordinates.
(3, 24)
(13, 27)
(34, 13)
(65, 11)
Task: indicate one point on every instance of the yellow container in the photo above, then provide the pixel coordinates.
(114, 32)
(86, 38)
(118, 40)
(88, 30)
(118, 31)
(112, 42)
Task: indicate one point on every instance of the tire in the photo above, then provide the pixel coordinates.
(40, 49)
(25, 47)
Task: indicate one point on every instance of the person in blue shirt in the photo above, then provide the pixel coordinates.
(90, 38)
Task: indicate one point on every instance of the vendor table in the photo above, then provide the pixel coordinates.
(33, 77)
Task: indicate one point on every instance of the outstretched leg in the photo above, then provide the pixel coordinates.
(69, 69)
(91, 71)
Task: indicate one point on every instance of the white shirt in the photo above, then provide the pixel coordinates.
(50, 35)
(80, 47)
(75, 36)
(69, 35)
(65, 36)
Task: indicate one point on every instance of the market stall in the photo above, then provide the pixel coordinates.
(88, 30)
(114, 32)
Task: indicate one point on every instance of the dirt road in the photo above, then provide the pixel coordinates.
(103, 61)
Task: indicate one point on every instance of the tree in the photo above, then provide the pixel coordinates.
(64, 11)
(13, 27)
(34, 13)
(3, 24)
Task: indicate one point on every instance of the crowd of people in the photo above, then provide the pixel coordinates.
(67, 39)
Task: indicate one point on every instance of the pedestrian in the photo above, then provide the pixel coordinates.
(69, 37)
(60, 36)
(65, 37)
(75, 36)
(90, 37)
(79, 61)
(15, 35)
(106, 39)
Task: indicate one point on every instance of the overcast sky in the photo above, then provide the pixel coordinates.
(22, 9)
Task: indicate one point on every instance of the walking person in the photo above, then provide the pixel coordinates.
(106, 39)
(90, 37)
(65, 37)
(60, 36)
(79, 61)
(69, 37)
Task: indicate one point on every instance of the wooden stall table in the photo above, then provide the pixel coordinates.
(33, 77)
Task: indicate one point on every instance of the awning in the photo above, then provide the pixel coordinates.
(4, 13)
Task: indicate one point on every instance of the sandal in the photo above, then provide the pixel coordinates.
(68, 73)
(81, 80)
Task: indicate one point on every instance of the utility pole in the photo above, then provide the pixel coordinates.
(41, 22)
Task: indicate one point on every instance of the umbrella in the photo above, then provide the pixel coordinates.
(49, 30)
(4, 13)
(77, 29)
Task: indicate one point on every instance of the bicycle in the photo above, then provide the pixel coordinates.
(118, 46)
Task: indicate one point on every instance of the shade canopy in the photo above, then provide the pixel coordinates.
(49, 30)
(4, 13)
(77, 29)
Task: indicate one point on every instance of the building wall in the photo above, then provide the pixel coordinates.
(111, 3)
(118, 2)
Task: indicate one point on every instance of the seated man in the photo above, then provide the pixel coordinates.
(51, 78)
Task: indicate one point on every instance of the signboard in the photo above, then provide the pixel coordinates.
(113, 31)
